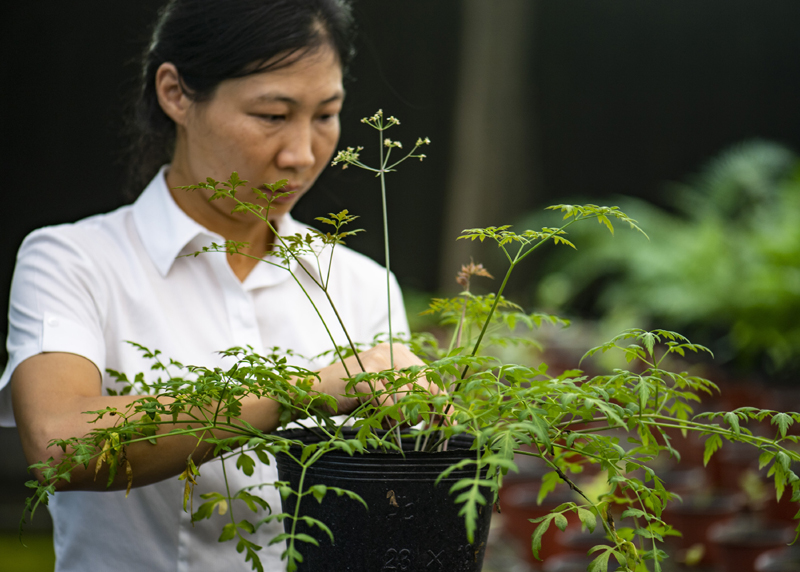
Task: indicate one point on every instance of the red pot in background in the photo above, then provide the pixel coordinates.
(741, 541)
(779, 560)
(730, 463)
(518, 506)
(690, 447)
(783, 510)
(567, 563)
(695, 517)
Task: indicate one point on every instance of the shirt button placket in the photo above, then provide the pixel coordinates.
(248, 324)
(240, 308)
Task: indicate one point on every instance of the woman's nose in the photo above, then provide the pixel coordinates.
(297, 150)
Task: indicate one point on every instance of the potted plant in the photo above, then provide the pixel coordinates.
(468, 416)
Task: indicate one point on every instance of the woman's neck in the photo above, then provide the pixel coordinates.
(217, 217)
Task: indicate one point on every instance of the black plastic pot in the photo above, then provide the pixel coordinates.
(412, 523)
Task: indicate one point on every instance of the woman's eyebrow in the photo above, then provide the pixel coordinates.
(274, 97)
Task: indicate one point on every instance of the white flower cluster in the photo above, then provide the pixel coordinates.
(375, 119)
(377, 122)
(346, 156)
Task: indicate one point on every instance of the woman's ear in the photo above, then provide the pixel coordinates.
(170, 92)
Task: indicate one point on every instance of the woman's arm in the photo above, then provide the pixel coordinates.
(52, 391)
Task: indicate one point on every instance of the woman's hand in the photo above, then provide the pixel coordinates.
(333, 378)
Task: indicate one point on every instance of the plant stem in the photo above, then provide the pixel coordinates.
(489, 317)
(297, 512)
(228, 491)
(346, 333)
(486, 322)
(386, 247)
(513, 263)
(388, 269)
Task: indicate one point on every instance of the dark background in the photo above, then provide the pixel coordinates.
(620, 97)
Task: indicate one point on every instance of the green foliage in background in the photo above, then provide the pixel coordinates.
(35, 555)
(723, 265)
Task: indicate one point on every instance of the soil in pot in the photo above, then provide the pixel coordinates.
(412, 522)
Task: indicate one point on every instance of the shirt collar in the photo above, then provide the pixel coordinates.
(268, 274)
(167, 232)
(163, 227)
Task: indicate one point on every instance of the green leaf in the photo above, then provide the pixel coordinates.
(561, 521)
(246, 464)
(307, 451)
(600, 564)
(783, 421)
(319, 492)
(733, 421)
(647, 533)
(603, 220)
(643, 390)
(205, 511)
(587, 518)
(649, 340)
(314, 522)
(712, 445)
(536, 539)
(502, 462)
(252, 501)
(280, 538)
(277, 185)
(228, 532)
(349, 494)
(262, 455)
(783, 460)
(549, 482)
(764, 459)
(306, 538)
(246, 525)
(634, 512)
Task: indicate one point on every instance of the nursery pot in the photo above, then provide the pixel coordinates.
(694, 518)
(741, 541)
(412, 522)
(786, 559)
(518, 504)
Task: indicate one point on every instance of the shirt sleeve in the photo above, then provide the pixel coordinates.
(55, 302)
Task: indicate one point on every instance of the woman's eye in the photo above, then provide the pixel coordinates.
(273, 118)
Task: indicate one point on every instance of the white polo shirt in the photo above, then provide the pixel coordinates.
(86, 288)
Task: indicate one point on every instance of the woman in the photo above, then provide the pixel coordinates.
(248, 85)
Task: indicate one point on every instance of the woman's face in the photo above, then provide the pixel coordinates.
(280, 124)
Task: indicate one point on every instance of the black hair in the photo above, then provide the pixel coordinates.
(210, 41)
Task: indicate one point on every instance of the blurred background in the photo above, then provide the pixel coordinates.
(688, 109)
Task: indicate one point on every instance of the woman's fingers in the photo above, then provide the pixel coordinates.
(374, 360)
